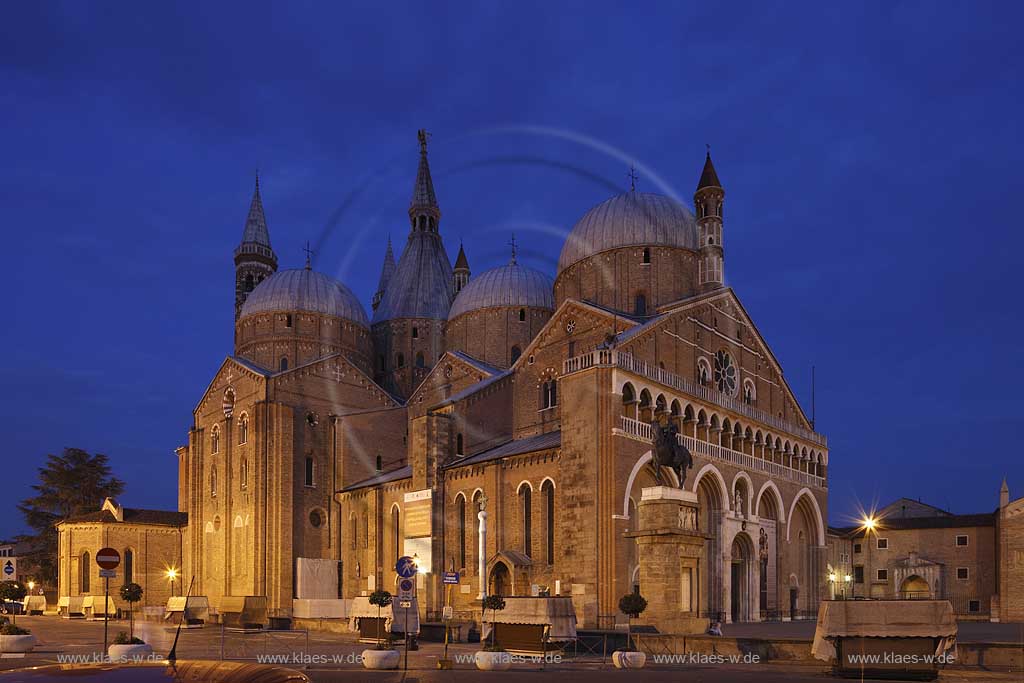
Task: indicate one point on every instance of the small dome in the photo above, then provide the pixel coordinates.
(629, 219)
(303, 289)
(512, 285)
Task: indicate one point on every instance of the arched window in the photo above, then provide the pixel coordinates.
(129, 565)
(353, 530)
(83, 570)
(396, 531)
(400, 361)
(749, 395)
(419, 359)
(215, 440)
(245, 473)
(548, 491)
(288, 320)
(284, 363)
(526, 506)
(703, 372)
(549, 394)
(461, 512)
(380, 464)
(640, 304)
(213, 482)
(522, 315)
(415, 333)
(243, 428)
(458, 444)
(647, 255)
(516, 353)
(310, 471)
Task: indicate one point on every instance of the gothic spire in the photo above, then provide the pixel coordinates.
(386, 271)
(708, 177)
(423, 209)
(256, 222)
(461, 261)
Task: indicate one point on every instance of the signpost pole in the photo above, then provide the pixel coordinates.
(447, 602)
(406, 667)
(106, 601)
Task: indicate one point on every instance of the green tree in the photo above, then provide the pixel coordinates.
(131, 593)
(495, 603)
(380, 599)
(632, 605)
(69, 484)
(12, 591)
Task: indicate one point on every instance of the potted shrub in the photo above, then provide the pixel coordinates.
(126, 648)
(632, 605)
(14, 639)
(492, 657)
(383, 656)
(12, 591)
(131, 593)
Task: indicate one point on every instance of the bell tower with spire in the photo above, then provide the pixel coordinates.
(255, 260)
(707, 202)
(461, 270)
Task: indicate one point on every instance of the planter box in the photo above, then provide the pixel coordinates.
(381, 659)
(128, 653)
(17, 643)
(492, 661)
(623, 659)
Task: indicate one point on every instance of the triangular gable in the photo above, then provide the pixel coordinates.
(550, 327)
(231, 364)
(470, 365)
(670, 311)
(364, 379)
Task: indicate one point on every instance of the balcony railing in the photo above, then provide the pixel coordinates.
(626, 361)
(641, 431)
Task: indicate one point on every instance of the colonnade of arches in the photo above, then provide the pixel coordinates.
(707, 425)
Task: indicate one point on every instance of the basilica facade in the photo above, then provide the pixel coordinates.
(509, 400)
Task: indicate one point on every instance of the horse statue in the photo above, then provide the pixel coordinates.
(668, 452)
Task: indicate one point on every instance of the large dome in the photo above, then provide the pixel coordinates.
(629, 219)
(303, 289)
(512, 285)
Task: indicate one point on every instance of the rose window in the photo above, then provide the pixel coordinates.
(725, 373)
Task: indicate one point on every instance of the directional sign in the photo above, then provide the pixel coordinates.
(405, 567)
(10, 568)
(405, 604)
(108, 573)
(108, 558)
(451, 578)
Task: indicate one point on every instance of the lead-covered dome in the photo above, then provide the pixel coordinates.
(511, 286)
(629, 219)
(303, 289)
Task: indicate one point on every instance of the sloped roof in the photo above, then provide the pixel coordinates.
(540, 442)
(404, 472)
(134, 516)
(902, 523)
(708, 177)
(256, 222)
(422, 285)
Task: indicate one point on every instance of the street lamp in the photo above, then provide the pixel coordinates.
(846, 582)
(172, 574)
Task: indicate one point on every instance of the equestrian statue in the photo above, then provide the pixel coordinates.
(669, 452)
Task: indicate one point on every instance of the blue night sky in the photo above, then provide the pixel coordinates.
(870, 154)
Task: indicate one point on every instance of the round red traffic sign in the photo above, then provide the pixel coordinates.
(108, 558)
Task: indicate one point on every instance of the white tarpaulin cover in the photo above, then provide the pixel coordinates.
(316, 579)
(361, 607)
(556, 612)
(883, 619)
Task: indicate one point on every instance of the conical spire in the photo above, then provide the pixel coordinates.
(461, 262)
(386, 271)
(424, 201)
(256, 222)
(708, 177)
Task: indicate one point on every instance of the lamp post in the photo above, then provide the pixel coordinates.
(172, 574)
(846, 582)
(869, 525)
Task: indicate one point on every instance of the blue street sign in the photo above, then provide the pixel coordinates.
(451, 578)
(9, 568)
(405, 567)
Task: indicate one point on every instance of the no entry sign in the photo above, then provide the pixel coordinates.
(108, 558)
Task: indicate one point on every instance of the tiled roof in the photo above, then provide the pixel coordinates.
(472, 389)
(404, 472)
(135, 516)
(530, 444)
(941, 522)
(422, 285)
(708, 177)
(478, 364)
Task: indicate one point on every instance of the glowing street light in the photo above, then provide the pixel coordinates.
(869, 523)
(172, 574)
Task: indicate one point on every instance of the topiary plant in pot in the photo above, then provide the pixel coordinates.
(493, 657)
(127, 648)
(632, 605)
(381, 657)
(131, 593)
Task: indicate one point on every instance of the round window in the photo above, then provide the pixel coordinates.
(725, 373)
(316, 518)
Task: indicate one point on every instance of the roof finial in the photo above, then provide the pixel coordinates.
(512, 243)
(423, 135)
(632, 178)
(309, 256)
(708, 146)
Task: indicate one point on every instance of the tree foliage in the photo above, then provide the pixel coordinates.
(12, 591)
(72, 483)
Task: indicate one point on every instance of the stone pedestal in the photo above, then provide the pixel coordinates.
(669, 548)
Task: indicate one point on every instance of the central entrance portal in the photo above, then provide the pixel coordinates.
(741, 590)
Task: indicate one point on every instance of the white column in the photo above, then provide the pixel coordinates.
(482, 553)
